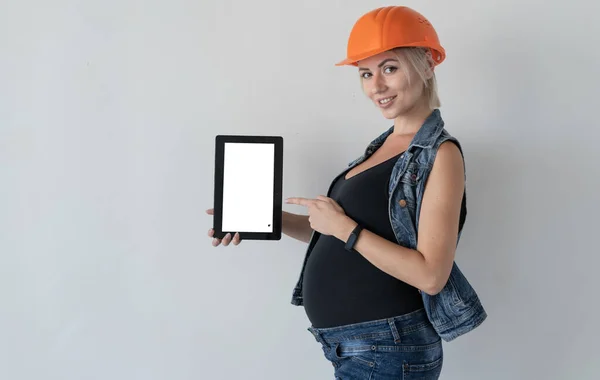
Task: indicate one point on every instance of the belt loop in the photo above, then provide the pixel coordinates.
(392, 324)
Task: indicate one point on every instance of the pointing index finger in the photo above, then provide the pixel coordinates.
(299, 201)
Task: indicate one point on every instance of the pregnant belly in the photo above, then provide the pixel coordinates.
(342, 287)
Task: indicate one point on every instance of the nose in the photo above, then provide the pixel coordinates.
(378, 84)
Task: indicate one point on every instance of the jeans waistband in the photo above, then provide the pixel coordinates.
(393, 327)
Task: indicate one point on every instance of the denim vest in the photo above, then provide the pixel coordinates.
(456, 309)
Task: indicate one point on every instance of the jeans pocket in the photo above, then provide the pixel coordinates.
(422, 370)
(361, 353)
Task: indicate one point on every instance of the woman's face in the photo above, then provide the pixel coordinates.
(384, 82)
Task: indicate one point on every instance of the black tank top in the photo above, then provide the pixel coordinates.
(342, 287)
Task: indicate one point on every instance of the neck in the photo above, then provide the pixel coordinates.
(411, 121)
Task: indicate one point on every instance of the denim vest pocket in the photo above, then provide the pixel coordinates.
(402, 217)
(461, 291)
(409, 181)
(457, 309)
(405, 200)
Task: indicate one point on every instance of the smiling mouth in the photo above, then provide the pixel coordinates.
(386, 101)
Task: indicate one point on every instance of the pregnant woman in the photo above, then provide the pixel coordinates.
(379, 283)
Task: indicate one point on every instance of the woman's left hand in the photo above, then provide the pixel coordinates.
(325, 215)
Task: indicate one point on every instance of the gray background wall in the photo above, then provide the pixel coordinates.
(108, 112)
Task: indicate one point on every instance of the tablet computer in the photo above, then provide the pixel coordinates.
(248, 186)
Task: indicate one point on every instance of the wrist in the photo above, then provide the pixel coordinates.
(346, 228)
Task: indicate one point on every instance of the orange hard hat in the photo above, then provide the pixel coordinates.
(391, 27)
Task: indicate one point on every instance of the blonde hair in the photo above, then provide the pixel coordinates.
(422, 62)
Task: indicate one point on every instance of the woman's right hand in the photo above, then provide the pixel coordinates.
(226, 239)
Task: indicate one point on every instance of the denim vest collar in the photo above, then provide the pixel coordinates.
(425, 137)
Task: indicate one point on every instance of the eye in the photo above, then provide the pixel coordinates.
(365, 75)
(389, 69)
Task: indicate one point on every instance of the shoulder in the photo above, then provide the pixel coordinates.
(448, 166)
(450, 152)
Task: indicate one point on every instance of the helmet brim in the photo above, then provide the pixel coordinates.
(439, 55)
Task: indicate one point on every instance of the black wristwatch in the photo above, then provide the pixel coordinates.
(353, 237)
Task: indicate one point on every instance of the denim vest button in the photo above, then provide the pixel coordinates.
(402, 203)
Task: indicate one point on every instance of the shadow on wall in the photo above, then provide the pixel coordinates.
(526, 250)
(488, 235)
(489, 228)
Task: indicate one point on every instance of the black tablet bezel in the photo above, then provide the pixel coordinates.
(220, 141)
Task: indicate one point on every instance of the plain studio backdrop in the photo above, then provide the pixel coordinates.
(108, 113)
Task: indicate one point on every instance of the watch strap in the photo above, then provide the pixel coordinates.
(351, 242)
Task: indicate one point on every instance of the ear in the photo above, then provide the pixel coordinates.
(430, 70)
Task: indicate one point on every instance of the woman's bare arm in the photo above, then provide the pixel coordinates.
(296, 226)
(427, 267)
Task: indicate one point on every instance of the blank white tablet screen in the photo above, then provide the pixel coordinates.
(248, 180)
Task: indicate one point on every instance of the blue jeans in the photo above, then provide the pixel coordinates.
(399, 348)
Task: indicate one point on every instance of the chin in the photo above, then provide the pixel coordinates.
(391, 114)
